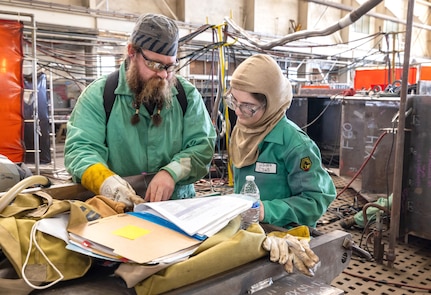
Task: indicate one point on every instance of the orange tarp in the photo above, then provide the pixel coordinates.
(11, 91)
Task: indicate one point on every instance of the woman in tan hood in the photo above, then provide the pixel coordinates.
(294, 187)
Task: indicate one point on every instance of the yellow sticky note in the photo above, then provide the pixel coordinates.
(131, 232)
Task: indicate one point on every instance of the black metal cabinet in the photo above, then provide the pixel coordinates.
(416, 196)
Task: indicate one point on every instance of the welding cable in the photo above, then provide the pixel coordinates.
(319, 115)
(364, 164)
(192, 35)
(398, 285)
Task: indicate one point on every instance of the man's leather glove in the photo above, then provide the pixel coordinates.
(116, 188)
(291, 252)
(102, 181)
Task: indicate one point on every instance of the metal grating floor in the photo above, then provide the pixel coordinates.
(411, 271)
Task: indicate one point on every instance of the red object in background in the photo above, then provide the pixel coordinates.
(366, 78)
(11, 91)
(349, 92)
(425, 73)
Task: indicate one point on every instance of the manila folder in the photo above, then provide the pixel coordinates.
(134, 238)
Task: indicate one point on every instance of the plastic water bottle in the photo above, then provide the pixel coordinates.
(251, 191)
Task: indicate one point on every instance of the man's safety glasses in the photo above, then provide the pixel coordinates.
(246, 109)
(158, 66)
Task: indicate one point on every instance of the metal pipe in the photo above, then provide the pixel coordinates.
(36, 123)
(52, 119)
(374, 14)
(399, 152)
(342, 23)
(51, 6)
(364, 213)
(379, 247)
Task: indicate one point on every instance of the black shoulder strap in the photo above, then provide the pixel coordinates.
(108, 92)
(181, 96)
(109, 96)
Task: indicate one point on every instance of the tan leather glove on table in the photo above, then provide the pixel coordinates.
(291, 251)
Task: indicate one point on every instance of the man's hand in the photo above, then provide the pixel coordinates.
(116, 188)
(291, 252)
(160, 188)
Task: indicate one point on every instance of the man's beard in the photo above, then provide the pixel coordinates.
(154, 92)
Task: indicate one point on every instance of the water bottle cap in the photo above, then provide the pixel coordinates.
(249, 178)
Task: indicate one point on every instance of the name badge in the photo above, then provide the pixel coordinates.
(266, 168)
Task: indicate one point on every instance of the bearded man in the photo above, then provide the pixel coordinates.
(147, 130)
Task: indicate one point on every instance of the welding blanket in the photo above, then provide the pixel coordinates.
(19, 234)
(229, 248)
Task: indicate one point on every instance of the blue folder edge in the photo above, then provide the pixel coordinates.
(163, 222)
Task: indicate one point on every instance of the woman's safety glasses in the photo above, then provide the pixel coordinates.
(246, 109)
